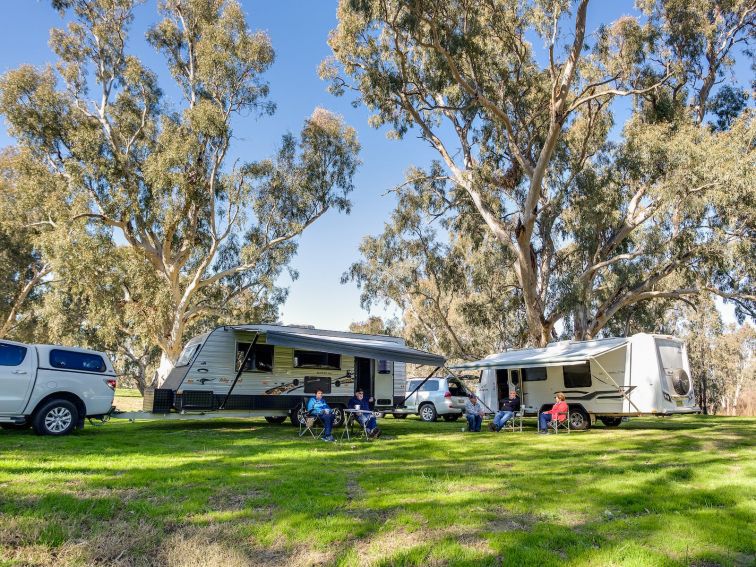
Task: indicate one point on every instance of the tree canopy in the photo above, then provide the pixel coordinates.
(185, 239)
(598, 221)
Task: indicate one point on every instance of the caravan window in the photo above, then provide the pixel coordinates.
(188, 354)
(260, 359)
(534, 374)
(577, 375)
(316, 359)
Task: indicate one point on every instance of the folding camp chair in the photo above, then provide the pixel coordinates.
(309, 423)
(515, 422)
(354, 428)
(564, 425)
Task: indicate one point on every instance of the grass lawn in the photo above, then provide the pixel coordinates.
(235, 492)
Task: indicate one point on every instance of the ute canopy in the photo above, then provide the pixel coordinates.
(557, 354)
(363, 347)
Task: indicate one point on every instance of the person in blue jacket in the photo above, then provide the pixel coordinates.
(366, 420)
(318, 407)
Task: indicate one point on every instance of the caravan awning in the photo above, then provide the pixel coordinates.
(557, 354)
(351, 346)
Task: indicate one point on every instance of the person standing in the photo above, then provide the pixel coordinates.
(367, 420)
(506, 412)
(318, 407)
(474, 412)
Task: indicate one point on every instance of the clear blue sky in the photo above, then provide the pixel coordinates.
(298, 30)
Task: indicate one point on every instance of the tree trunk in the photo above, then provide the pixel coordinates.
(168, 358)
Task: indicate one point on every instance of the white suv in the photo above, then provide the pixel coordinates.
(53, 388)
(438, 396)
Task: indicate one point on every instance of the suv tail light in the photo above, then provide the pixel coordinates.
(447, 394)
(111, 383)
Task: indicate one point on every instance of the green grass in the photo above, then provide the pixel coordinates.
(652, 492)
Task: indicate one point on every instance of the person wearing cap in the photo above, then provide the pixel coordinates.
(367, 420)
(474, 412)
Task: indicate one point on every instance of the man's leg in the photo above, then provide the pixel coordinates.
(372, 423)
(471, 422)
(475, 423)
(506, 417)
(497, 422)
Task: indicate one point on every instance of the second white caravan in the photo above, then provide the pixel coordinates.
(604, 379)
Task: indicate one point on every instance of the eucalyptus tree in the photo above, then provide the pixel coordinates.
(204, 237)
(594, 227)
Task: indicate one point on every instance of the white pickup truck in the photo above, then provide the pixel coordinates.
(53, 388)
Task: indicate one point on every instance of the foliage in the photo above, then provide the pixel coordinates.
(595, 231)
(189, 240)
(652, 492)
(375, 326)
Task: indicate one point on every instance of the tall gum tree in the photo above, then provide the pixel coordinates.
(527, 138)
(208, 235)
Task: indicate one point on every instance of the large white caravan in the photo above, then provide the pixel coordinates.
(268, 370)
(603, 379)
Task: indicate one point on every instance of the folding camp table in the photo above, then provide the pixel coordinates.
(352, 415)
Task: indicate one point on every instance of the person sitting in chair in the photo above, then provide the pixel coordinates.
(506, 411)
(474, 412)
(558, 411)
(318, 407)
(366, 420)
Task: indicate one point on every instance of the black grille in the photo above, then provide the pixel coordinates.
(157, 400)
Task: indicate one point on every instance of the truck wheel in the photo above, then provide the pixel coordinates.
(275, 419)
(579, 420)
(451, 416)
(611, 421)
(427, 412)
(56, 417)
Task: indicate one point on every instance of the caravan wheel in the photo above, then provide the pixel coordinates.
(579, 420)
(275, 419)
(338, 416)
(611, 421)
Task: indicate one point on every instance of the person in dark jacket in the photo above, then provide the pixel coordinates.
(506, 411)
(366, 420)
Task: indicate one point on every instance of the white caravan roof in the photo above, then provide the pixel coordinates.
(555, 354)
(352, 344)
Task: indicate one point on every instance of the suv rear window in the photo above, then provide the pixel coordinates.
(84, 361)
(429, 386)
(456, 388)
(11, 355)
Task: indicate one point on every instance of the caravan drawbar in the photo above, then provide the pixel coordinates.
(268, 370)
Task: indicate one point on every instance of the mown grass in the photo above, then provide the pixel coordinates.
(234, 492)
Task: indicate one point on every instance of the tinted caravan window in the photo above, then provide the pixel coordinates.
(316, 359)
(314, 383)
(534, 374)
(11, 355)
(260, 359)
(577, 376)
(84, 361)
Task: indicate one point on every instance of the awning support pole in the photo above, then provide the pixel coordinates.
(481, 401)
(241, 369)
(420, 385)
(619, 388)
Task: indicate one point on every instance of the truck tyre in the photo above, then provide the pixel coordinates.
(451, 416)
(56, 417)
(611, 421)
(427, 412)
(275, 419)
(579, 420)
